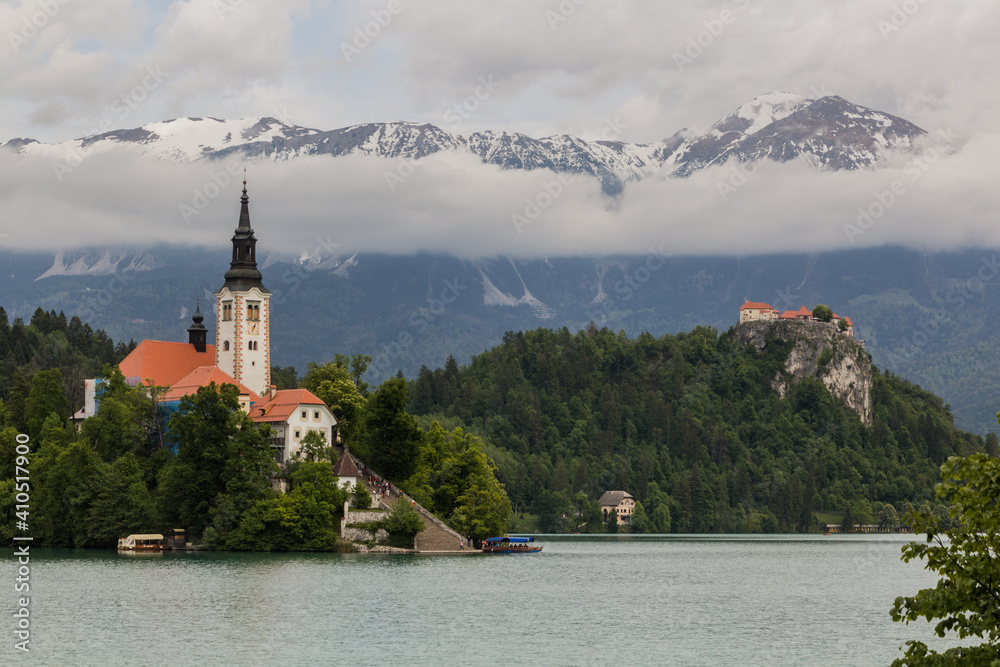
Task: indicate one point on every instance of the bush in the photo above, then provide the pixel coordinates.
(823, 313)
(403, 520)
(360, 498)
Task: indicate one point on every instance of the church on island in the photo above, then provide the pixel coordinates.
(241, 356)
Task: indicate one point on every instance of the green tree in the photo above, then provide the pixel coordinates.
(44, 398)
(483, 509)
(888, 518)
(822, 313)
(333, 384)
(389, 438)
(612, 521)
(966, 599)
(313, 447)
(219, 452)
(121, 505)
(360, 498)
(403, 522)
(284, 377)
(641, 522)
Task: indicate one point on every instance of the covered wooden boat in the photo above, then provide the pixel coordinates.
(142, 542)
(510, 545)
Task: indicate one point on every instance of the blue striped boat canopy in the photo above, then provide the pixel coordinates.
(511, 540)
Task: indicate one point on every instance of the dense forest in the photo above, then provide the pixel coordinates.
(691, 425)
(542, 424)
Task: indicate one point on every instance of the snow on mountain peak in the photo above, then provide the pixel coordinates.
(764, 109)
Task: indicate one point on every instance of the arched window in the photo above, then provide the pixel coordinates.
(225, 346)
(250, 345)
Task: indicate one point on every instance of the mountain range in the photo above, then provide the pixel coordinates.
(927, 316)
(829, 133)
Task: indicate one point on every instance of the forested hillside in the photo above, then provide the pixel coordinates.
(692, 426)
(50, 342)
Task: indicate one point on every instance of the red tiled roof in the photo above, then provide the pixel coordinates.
(202, 377)
(805, 311)
(162, 363)
(284, 403)
(788, 315)
(848, 320)
(757, 305)
(346, 467)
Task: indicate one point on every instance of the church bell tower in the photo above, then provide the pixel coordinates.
(243, 313)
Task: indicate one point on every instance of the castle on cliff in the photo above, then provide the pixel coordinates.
(753, 311)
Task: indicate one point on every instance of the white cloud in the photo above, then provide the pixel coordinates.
(453, 203)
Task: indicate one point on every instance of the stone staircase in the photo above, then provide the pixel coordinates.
(436, 536)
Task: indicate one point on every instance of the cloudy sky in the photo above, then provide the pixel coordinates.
(69, 68)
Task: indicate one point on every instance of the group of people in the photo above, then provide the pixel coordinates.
(381, 486)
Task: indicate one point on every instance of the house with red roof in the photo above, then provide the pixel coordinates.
(292, 413)
(752, 311)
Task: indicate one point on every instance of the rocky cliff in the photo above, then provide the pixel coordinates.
(821, 350)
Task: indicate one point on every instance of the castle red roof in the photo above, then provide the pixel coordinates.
(162, 364)
(757, 305)
(203, 377)
(788, 315)
(283, 404)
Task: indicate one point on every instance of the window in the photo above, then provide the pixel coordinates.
(225, 346)
(316, 415)
(252, 345)
(303, 414)
(298, 433)
(227, 311)
(253, 310)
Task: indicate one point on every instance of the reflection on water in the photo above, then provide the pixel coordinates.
(630, 600)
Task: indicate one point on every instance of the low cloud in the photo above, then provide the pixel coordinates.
(453, 203)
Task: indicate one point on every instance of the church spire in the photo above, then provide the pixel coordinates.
(243, 273)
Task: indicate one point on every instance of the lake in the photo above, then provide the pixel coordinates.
(588, 600)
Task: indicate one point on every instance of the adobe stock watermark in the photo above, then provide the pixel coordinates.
(365, 35)
(466, 107)
(631, 282)
(553, 188)
(930, 326)
(33, 24)
(224, 7)
(121, 108)
(324, 250)
(452, 117)
(561, 14)
(104, 297)
(419, 321)
(883, 200)
(900, 16)
(22, 580)
(704, 39)
(739, 175)
(203, 195)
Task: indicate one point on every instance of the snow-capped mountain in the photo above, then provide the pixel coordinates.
(830, 132)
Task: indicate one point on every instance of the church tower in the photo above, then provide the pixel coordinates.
(242, 312)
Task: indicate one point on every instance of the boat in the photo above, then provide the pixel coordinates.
(142, 542)
(510, 545)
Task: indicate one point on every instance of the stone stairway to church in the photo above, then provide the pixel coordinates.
(436, 536)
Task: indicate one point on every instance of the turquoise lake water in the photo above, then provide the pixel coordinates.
(670, 600)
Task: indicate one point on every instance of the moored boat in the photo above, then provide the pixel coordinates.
(142, 542)
(510, 545)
